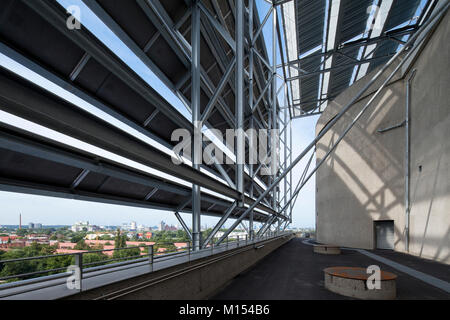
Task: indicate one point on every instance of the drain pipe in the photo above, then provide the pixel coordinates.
(407, 158)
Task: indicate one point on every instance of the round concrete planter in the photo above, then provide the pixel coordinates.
(326, 249)
(352, 282)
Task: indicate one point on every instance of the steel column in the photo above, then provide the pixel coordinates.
(274, 159)
(195, 106)
(250, 102)
(240, 138)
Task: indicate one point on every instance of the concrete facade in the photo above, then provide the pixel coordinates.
(363, 180)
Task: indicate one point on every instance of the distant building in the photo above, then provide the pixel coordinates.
(4, 240)
(33, 225)
(165, 227)
(232, 235)
(133, 226)
(83, 226)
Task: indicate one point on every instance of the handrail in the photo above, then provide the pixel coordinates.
(150, 258)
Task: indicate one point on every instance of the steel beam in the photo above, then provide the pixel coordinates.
(224, 33)
(183, 224)
(180, 219)
(220, 224)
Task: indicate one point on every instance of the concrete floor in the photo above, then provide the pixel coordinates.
(294, 272)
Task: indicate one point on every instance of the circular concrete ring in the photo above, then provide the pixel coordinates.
(352, 282)
(326, 249)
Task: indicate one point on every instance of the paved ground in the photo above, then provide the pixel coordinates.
(294, 272)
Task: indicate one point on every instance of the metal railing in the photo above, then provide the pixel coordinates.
(115, 264)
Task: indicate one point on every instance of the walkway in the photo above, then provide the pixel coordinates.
(294, 272)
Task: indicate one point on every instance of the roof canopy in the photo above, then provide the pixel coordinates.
(333, 43)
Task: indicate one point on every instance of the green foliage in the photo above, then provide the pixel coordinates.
(20, 267)
(120, 240)
(126, 253)
(81, 245)
(163, 239)
(169, 246)
(94, 257)
(170, 236)
(78, 236)
(22, 232)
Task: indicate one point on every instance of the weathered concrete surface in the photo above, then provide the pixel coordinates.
(195, 280)
(341, 281)
(363, 179)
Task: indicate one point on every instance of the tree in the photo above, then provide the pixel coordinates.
(77, 237)
(22, 267)
(123, 254)
(81, 245)
(94, 257)
(120, 240)
(21, 232)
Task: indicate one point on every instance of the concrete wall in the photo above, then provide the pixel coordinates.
(363, 179)
(199, 279)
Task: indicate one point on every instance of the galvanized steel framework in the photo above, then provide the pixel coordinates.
(243, 46)
(253, 73)
(256, 106)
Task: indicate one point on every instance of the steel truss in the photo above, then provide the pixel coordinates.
(403, 56)
(247, 73)
(243, 59)
(251, 68)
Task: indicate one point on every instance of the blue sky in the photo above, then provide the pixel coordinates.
(53, 211)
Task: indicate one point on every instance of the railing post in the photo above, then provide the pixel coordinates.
(246, 240)
(189, 251)
(150, 256)
(238, 241)
(227, 242)
(79, 264)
